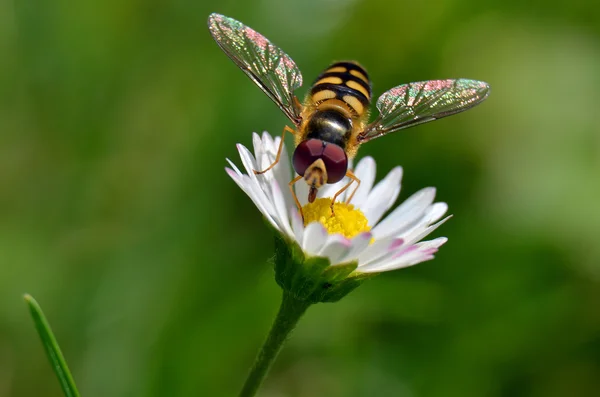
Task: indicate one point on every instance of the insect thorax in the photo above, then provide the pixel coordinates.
(329, 126)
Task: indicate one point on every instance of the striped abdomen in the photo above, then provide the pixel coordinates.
(346, 81)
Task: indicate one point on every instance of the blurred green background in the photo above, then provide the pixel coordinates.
(116, 213)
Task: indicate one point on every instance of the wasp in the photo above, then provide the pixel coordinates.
(333, 120)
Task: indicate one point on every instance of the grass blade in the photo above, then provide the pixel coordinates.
(55, 356)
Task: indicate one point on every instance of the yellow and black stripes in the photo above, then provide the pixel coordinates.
(346, 81)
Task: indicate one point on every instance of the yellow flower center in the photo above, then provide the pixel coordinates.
(347, 220)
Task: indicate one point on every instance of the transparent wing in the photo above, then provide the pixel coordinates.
(416, 103)
(266, 64)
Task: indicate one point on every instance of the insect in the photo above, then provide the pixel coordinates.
(332, 122)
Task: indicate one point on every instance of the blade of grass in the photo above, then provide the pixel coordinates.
(55, 356)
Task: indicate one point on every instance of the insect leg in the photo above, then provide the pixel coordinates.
(353, 178)
(291, 185)
(350, 174)
(288, 129)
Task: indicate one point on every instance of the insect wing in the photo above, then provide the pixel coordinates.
(416, 103)
(266, 64)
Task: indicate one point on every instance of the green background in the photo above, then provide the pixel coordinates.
(116, 214)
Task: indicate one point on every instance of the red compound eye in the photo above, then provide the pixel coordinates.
(336, 162)
(334, 157)
(306, 153)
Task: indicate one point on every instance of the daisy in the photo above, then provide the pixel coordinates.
(356, 233)
(324, 256)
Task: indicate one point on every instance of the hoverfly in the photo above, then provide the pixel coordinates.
(332, 122)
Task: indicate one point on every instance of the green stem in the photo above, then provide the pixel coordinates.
(59, 365)
(290, 311)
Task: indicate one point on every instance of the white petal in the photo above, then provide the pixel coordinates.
(301, 189)
(282, 174)
(260, 152)
(264, 156)
(365, 171)
(297, 225)
(234, 167)
(269, 142)
(335, 248)
(281, 210)
(248, 161)
(382, 196)
(314, 238)
(331, 190)
(421, 232)
(436, 211)
(247, 186)
(405, 214)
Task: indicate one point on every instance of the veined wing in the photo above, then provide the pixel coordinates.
(416, 103)
(266, 64)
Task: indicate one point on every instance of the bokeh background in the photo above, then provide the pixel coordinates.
(116, 214)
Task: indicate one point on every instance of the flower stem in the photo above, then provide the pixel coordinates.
(290, 311)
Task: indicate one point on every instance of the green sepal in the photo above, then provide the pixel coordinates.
(312, 278)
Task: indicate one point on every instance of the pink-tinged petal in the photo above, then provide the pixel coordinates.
(297, 224)
(409, 260)
(406, 214)
(400, 264)
(359, 244)
(314, 238)
(378, 250)
(281, 210)
(404, 252)
(435, 243)
(365, 171)
(335, 248)
(430, 251)
(239, 180)
(260, 198)
(232, 173)
(411, 256)
(382, 197)
(394, 249)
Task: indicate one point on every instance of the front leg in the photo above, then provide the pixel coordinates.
(350, 174)
(353, 178)
(288, 129)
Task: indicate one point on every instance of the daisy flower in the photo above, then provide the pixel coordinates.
(357, 233)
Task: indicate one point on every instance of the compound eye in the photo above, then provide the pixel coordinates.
(306, 153)
(336, 162)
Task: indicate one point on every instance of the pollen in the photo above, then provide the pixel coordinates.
(346, 220)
